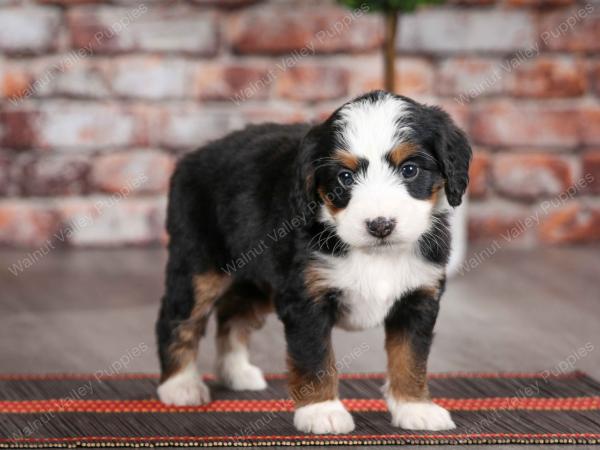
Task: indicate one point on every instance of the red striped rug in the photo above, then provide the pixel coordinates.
(88, 411)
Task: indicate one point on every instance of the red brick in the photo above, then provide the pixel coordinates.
(144, 28)
(591, 169)
(85, 78)
(414, 76)
(594, 75)
(18, 128)
(571, 224)
(29, 29)
(304, 30)
(459, 113)
(187, 126)
(442, 30)
(513, 124)
(150, 77)
(574, 29)
(71, 2)
(479, 174)
(14, 81)
(468, 78)
(26, 223)
(313, 83)
(589, 120)
(531, 176)
(5, 176)
(144, 171)
(53, 175)
(85, 126)
(496, 220)
(549, 77)
(261, 114)
(234, 82)
(146, 117)
(112, 220)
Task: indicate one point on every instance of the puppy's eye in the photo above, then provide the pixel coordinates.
(409, 171)
(346, 178)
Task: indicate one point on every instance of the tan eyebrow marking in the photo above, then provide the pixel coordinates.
(347, 159)
(401, 152)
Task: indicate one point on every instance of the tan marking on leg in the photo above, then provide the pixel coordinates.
(407, 375)
(315, 283)
(208, 287)
(401, 152)
(432, 291)
(240, 315)
(307, 388)
(239, 312)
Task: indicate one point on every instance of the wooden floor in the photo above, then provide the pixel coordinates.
(86, 311)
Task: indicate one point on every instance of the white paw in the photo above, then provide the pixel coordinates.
(420, 416)
(239, 375)
(328, 417)
(245, 378)
(184, 389)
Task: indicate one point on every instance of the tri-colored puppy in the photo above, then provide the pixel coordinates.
(340, 224)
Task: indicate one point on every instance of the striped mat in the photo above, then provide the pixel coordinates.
(122, 410)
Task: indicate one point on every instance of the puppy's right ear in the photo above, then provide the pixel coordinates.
(453, 153)
(304, 194)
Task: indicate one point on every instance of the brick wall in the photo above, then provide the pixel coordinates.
(100, 97)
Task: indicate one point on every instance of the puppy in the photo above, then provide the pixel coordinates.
(340, 224)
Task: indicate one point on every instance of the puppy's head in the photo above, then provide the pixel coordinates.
(380, 166)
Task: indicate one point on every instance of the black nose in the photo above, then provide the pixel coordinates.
(381, 227)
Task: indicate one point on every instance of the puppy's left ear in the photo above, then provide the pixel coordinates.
(454, 154)
(304, 190)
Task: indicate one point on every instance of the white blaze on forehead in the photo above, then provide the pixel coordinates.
(370, 129)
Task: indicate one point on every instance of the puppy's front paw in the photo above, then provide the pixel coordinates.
(328, 417)
(184, 389)
(420, 416)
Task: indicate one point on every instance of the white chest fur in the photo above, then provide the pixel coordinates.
(370, 282)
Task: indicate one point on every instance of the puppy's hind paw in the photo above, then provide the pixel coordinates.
(245, 377)
(328, 417)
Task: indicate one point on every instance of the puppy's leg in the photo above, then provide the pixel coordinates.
(184, 312)
(409, 333)
(239, 312)
(313, 378)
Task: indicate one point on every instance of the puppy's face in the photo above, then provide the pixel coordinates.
(382, 164)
